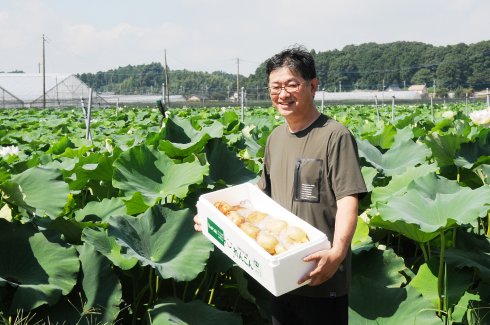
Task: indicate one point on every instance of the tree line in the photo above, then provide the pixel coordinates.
(460, 68)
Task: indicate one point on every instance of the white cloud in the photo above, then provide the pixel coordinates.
(210, 34)
(121, 44)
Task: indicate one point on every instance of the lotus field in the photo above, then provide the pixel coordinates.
(100, 230)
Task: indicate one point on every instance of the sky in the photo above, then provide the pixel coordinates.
(218, 35)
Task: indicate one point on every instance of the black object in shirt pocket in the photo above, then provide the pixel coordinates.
(307, 179)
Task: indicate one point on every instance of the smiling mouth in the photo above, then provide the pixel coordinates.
(285, 103)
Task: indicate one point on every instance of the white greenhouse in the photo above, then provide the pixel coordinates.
(371, 95)
(24, 90)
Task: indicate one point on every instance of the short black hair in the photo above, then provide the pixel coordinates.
(296, 58)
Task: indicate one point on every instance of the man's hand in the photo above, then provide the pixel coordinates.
(327, 263)
(197, 223)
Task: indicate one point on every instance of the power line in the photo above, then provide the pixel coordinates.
(388, 70)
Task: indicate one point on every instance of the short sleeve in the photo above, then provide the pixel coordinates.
(344, 168)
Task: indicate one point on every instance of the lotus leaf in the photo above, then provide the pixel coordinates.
(38, 190)
(225, 165)
(383, 138)
(403, 154)
(173, 311)
(231, 122)
(399, 182)
(426, 282)
(444, 147)
(464, 306)
(60, 146)
(100, 285)
(164, 239)
(377, 296)
(136, 204)
(361, 240)
(471, 251)
(100, 211)
(434, 203)
(155, 175)
(369, 173)
(108, 247)
(181, 139)
(408, 230)
(39, 270)
(474, 153)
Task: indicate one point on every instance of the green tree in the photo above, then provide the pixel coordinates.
(363, 66)
(452, 72)
(479, 62)
(422, 76)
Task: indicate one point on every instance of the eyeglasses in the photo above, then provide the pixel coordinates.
(290, 88)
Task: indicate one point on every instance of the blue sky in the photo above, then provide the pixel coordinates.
(209, 35)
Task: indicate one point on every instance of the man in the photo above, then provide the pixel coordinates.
(311, 168)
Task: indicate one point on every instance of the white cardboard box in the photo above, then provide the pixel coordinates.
(279, 273)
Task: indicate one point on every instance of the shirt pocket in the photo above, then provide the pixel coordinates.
(307, 179)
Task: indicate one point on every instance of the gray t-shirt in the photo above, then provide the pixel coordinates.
(307, 172)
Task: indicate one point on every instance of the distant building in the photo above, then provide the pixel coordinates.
(196, 98)
(26, 90)
(393, 87)
(176, 98)
(120, 99)
(482, 94)
(422, 89)
(234, 98)
(370, 95)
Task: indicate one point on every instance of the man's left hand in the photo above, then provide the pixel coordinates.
(327, 263)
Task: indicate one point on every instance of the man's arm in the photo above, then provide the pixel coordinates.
(328, 261)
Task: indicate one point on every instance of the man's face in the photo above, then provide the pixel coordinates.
(290, 94)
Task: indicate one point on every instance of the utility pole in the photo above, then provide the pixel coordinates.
(488, 98)
(238, 79)
(242, 106)
(202, 95)
(323, 99)
(393, 110)
(57, 93)
(44, 73)
(166, 80)
(383, 94)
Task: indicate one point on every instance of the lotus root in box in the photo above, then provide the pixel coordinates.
(278, 271)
